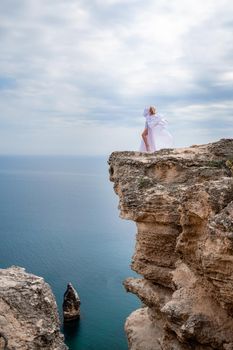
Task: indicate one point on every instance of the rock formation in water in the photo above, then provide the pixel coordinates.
(182, 203)
(71, 304)
(28, 313)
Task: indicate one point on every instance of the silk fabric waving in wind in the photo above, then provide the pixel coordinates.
(158, 136)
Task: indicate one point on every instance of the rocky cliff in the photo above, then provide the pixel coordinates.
(182, 203)
(28, 313)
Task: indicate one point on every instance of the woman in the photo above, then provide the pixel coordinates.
(155, 135)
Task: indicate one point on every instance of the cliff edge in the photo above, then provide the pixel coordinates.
(28, 313)
(182, 203)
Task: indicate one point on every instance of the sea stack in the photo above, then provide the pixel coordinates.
(71, 304)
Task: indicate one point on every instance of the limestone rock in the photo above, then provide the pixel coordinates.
(28, 312)
(71, 304)
(182, 203)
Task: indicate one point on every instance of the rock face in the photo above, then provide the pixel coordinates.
(182, 203)
(28, 313)
(71, 304)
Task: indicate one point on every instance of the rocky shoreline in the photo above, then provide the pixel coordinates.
(182, 203)
(28, 313)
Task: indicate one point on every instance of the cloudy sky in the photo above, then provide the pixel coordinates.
(75, 75)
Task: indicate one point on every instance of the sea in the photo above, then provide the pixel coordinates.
(59, 219)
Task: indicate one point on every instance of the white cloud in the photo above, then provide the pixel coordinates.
(80, 61)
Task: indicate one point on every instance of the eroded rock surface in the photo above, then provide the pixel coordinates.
(182, 203)
(28, 313)
(71, 304)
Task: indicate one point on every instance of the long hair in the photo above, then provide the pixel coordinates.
(152, 110)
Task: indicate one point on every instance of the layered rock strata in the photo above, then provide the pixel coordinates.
(182, 203)
(28, 313)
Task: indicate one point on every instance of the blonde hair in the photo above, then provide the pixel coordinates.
(152, 110)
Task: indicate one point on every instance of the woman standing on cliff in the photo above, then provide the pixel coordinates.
(155, 135)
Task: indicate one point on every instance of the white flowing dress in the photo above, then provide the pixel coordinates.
(158, 136)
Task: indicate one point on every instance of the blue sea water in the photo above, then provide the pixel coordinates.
(59, 219)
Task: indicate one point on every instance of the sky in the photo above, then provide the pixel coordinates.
(75, 75)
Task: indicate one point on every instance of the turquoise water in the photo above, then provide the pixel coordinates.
(59, 219)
